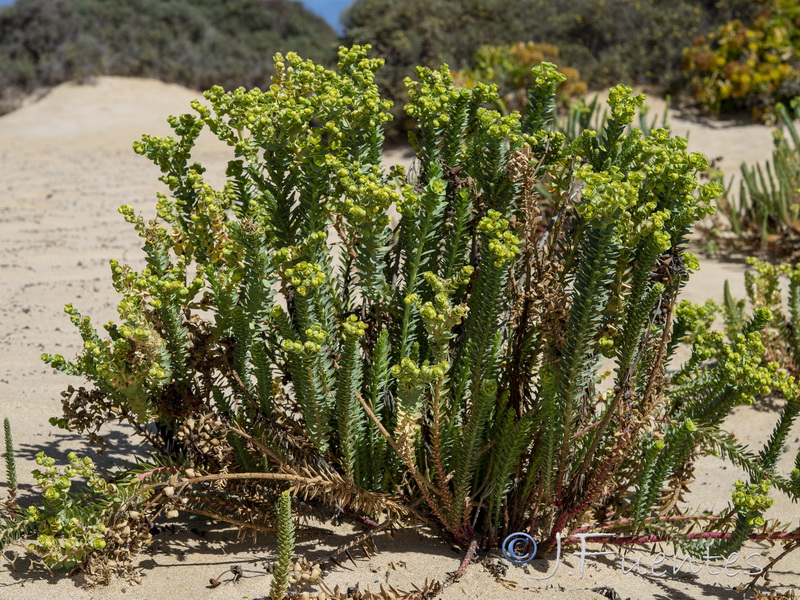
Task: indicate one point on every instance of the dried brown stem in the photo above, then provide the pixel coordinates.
(358, 541)
(226, 519)
(258, 444)
(410, 465)
(793, 545)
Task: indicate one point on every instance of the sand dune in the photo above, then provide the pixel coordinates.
(65, 167)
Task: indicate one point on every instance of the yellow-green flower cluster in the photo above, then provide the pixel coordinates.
(695, 319)
(650, 189)
(305, 277)
(153, 233)
(411, 201)
(623, 105)
(352, 327)
(170, 154)
(753, 499)
(157, 235)
(691, 262)
(295, 347)
(669, 168)
(763, 286)
(315, 337)
(502, 244)
(407, 371)
(147, 288)
(304, 107)
(209, 225)
(608, 194)
(205, 231)
(546, 74)
(282, 256)
(433, 95)
(606, 346)
(741, 361)
(500, 127)
(133, 362)
(411, 375)
(696, 312)
(55, 485)
(435, 100)
(671, 181)
(316, 334)
(448, 286)
(707, 344)
(441, 316)
(130, 216)
(361, 194)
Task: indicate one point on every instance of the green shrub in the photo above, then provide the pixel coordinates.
(194, 43)
(287, 333)
(749, 66)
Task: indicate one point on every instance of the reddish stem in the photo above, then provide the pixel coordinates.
(618, 522)
(462, 568)
(702, 535)
(156, 471)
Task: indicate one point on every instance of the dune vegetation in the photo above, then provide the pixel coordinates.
(196, 43)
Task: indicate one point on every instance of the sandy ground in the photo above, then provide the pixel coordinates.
(65, 167)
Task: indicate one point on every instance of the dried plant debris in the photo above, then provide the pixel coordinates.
(768, 595)
(608, 592)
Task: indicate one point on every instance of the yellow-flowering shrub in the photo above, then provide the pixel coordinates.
(748, 66)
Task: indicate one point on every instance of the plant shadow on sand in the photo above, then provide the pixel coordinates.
(215, 551)
(219, 548)
(58, 444)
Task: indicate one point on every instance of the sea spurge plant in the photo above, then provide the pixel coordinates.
(77, 521)
(502, 245)
(286, 332)
(764, 285)
(749, 358)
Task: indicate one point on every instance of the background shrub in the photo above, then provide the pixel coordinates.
(196, 43)
(608, 41)
(749, 65)
(509, 67)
